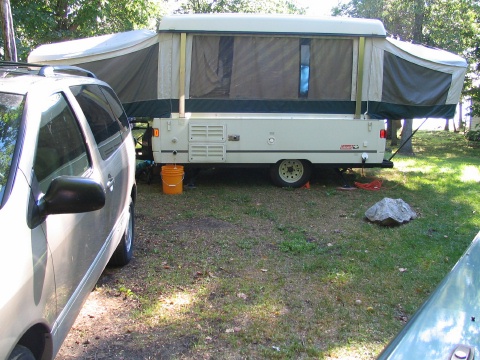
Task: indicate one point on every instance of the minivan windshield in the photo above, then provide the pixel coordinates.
(11, 109)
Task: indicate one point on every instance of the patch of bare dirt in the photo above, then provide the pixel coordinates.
(105, 329)
(100, 328)
(203, 224)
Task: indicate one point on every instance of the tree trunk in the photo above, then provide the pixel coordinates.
(396, 124)
(461, 124)
(10, 48)
(419, 14)
(389, 129)
(406, 147)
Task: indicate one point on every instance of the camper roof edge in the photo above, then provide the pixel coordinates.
(271, 24)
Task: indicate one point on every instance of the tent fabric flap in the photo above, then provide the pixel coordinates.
(127, 61)
(133, 76)
(411, 84)
(423, 80)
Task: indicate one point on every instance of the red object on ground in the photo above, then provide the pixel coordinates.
(374, 185)
(307, 185)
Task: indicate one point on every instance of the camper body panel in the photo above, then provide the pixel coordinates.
(268, 138)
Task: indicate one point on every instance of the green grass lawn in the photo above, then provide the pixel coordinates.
(243, 269)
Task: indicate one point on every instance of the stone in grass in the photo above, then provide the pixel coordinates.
(390, 212)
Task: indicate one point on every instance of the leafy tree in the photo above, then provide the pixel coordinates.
(10, 48)
(10, 117)
(46, 21)
(473, 53)
(371, 9)
(448, 24)
(473, 90)
(240, 6)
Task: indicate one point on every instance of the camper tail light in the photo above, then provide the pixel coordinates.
(156, 132)
(383, 134)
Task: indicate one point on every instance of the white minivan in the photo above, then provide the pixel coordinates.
(67, 196)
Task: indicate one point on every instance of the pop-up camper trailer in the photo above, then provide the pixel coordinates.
(281, 90)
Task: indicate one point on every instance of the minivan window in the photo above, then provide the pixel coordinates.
(11, 110)
(106, 128)
(61, 148)
(117, 109)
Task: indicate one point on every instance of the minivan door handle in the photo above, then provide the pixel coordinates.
(110, 182)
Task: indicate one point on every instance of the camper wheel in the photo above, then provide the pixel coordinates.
(291, 173)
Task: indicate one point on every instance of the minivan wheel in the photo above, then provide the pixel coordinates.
(291, 173)
(124, 251)
(21, 353)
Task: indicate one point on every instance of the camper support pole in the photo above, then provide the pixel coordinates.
(181, 95)
(361, 60)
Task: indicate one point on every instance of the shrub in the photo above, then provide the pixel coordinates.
(473, 135)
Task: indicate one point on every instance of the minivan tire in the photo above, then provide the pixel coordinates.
(124, 251)
(21, 352)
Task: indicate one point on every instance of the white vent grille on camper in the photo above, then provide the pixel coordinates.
(206, 153)
(207, 133)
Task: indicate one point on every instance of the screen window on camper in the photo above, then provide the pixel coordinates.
(263, 68)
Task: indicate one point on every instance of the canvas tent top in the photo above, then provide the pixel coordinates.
(97, 47)
(400, 80)
(430, 54)
(271, 24)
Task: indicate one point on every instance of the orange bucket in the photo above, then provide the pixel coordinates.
(172, 179)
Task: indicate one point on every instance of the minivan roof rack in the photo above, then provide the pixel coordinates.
(48, 70)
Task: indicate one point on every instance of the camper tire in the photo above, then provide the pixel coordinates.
(291, 173)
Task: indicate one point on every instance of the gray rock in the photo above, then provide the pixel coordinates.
(390, 212)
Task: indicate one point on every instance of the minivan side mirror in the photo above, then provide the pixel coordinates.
(72, 194)
(66, 195)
